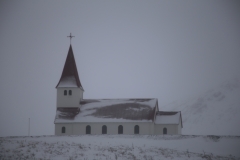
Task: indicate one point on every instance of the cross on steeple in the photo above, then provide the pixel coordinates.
(70, 37)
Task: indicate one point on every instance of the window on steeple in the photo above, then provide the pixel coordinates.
(70, 92)
(65, 92)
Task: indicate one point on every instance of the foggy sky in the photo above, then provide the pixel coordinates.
(169, 50)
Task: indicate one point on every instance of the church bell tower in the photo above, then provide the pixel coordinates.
(69, 87)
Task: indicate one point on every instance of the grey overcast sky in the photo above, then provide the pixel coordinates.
(170, 50)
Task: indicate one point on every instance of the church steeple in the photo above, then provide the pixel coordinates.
(70, 76)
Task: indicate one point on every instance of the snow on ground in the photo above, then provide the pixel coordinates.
(114, 147)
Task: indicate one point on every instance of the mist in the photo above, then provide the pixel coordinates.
(170, 50)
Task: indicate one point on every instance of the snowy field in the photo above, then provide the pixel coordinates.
(89, 147)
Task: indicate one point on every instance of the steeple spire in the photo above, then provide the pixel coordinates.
(70, 76)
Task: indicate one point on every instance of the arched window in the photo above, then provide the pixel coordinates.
(63, 129)
(104, 129)
(164, 130)
(88, 129)
(120, 129)
(70, 92)
(136, 129)
(65, 92)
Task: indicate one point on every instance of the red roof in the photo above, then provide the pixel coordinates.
(69, 76)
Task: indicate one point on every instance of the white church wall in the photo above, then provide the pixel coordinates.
(180, 128)
(171, 129)
(112, 128)
(68, 129)
(69, 100)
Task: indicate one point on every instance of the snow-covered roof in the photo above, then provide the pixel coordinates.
(69, 76)
(109, 110)
(68, 82)
(168, 117)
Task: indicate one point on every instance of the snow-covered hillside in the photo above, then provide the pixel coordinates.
(216, 112)
(120, 147)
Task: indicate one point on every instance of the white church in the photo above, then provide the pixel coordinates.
(78, 116)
